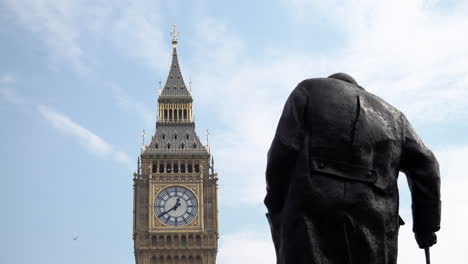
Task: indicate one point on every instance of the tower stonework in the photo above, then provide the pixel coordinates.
(175, 187)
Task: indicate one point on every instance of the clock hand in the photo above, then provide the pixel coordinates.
(173, 208)
(177, 203)
(163, 213)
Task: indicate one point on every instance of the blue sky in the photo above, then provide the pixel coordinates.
(79, 81)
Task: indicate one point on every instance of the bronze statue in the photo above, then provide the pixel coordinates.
(332, 170)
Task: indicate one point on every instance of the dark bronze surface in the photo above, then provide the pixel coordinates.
(332, 171)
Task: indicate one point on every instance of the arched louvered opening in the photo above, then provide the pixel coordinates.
(165, 114)
(194, 145)
(170, 114)
(161, 168)
(153, 240)
(175, 136)
(176, 240)
(153, 260)
(182, 146)
(163, 136)
(197, 168)
(198, 240)
(176, 168)
(187, 136)
(168, 145)
(169, 240)
(183, 240)
(154, 168)
(189, 168)
(180, 114)
(156, 145)
(160, 241)
(191, 240)
(168, 168)
(185, 114)
(182, 168)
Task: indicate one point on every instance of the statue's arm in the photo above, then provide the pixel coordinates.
(422, 171)
(283, 151)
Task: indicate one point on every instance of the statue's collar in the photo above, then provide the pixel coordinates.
(346, 78)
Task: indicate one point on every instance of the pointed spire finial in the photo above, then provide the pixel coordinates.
(207, 134)
(160, 88)
(190, 84)
(174, 34)
(143, 134)
(138, 165)
(212, 165)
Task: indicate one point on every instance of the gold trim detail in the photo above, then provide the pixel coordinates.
(155, 225)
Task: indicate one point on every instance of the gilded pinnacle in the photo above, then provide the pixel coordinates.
(174, 34)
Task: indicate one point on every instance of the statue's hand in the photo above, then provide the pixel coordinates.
(426, 239)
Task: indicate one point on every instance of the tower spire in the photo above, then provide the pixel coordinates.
(175, 86)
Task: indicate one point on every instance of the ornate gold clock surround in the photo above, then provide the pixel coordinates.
(156, 226)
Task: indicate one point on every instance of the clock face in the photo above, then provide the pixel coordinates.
(176, 206)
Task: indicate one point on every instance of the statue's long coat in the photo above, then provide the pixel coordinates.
(332, 172)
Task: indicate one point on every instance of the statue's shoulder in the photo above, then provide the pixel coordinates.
(341, 86)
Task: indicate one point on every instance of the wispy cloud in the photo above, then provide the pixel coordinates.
(246, 248)
(413, 53)
(454, 212)
(55, 23)
(7, 91)
(407, 52)
(140, 34)
(11, 96)
(254, 247)
(67, 27)
(7, 78)
(85, 137)
(126, 102)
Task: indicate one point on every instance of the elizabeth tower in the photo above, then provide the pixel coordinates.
(175, 189)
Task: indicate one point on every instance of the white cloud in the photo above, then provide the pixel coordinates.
(252, 247)
(66, 27)
(11, 96)
(7, 78)
(9, 93)
(91, 141)
(55, 23)
(415, 58)
(407, 52)
(246, 248)
(451, 244)
(126, 102)
(138, 32)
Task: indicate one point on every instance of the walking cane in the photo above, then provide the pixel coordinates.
(428, 257)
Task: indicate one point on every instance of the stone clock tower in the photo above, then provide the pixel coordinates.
(175, 189)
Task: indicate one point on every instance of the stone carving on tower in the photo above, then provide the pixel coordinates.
(175, 187)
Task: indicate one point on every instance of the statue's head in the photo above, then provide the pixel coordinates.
(344, 77)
